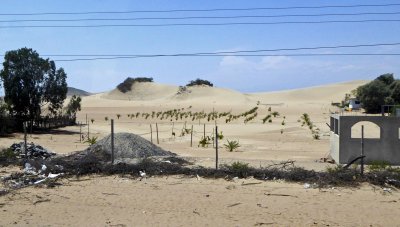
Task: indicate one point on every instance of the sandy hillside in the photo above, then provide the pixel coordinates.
(156, 93)
(321, 94)
(145, 91)
(260, 143)
(182, 201)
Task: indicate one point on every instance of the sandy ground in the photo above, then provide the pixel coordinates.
(176, 201)
(183, 201)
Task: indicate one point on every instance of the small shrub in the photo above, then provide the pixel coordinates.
(106, 118)
(241, 169)
(91, 140)
(128, 82)
(232, 145)
(275, 114)
(92, 120)
(220, 136)
(199, 82)
(204, 142)
(378, 165)
(266, 118)
(7, 156)
(239, 165)
(118, 116)
(7, 153)
(307, 121)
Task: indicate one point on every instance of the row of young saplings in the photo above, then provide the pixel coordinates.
(250, 115)
(181, 114)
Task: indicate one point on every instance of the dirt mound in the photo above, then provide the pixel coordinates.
(127, 146)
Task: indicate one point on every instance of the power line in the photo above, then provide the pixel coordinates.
(200, 10)
(225, 52)
(201, 24)
(239, 53)
(229, 52)
(227, 55)
(200, 17)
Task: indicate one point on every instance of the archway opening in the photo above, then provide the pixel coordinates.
(371, 130)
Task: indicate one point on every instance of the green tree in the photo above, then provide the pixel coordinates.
(395, 92)
(55, 88)
(387, 78)
(74, 106)
(373, 95)
(30, 82)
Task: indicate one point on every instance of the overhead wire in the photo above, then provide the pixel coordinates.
(200, 24)
(235, 53)
(201, 10)
(199, 17)
(241, 55)
(231, 52)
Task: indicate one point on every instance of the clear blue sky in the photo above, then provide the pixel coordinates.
(247, 74)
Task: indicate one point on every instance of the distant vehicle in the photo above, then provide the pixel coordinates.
(354, 104)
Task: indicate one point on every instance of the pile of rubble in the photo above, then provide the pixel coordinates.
(32, 174)
(33, 151)
(127, 146)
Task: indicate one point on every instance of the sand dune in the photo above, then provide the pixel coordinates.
(211, 95)
(144, 91)
(323, 93)
(155, 93)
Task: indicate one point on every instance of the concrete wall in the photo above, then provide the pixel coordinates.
(386, 148)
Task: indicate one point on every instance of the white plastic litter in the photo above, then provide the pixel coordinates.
(29, 169)
(39, 181)
(53, 175)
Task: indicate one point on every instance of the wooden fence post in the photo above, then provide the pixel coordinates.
(173, 124)
(80, 132)
(112, 141)
(216, 148)
(158, 141)
(151, 133)
(25, 145)
(362, 150)
(214, 138)
(191, 137)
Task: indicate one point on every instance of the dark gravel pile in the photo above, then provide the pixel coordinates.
(127, 146)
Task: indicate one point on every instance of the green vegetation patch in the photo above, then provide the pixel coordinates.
(128, 82)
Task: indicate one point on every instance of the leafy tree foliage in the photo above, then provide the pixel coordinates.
(74, 106)
(395, 92)
(3, 108)
(199, 82)
(387, 78)
(384, 90)
(128, 82)
(30, 82)
(55, 88)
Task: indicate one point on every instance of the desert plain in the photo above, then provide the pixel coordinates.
(181, 200)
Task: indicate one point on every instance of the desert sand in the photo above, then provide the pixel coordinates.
(182, 201)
